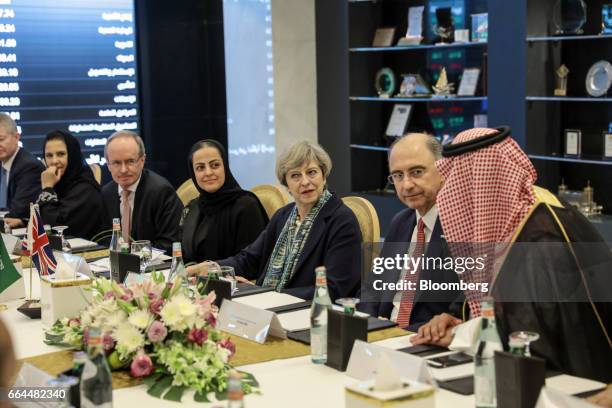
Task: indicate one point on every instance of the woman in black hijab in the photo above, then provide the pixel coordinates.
(224, 218)
(70, 193)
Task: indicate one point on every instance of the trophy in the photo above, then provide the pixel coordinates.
(443, 87)
(561, 72)
(444, 28)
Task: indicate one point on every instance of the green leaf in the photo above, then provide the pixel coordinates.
(249, 379)
(152, 379)
(159, 387)
(175, 393)
(221, 396)
(201, 397)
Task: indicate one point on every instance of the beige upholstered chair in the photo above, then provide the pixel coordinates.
(271, 197)
(187, 192)
(97, 172)
(368, 223)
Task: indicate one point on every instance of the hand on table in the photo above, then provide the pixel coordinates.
(437, 331)
(603, 399)
(14, 222)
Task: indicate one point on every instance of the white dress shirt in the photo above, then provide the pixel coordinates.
(429, 219)
(8, 164)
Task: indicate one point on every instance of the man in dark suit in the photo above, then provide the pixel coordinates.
(19, 175)
(145, 202)
(415, 232)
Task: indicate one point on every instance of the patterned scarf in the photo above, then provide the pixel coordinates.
(289, 245)
(485, 196)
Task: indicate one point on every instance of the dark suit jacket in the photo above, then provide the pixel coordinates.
(157, 210)
(24, 184)
(427, 303)
(334, 242)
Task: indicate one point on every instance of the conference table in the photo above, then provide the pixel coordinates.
(295, 381)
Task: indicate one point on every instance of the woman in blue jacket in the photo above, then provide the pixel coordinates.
(317, 229)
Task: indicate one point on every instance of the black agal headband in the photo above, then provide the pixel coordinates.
(451, 150)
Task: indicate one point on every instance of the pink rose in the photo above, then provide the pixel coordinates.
(142, 365)
(107, 341)
(211, 319)
(75, 321)
(198, 336)
(228, 345)
(157, 332)
(109, 295)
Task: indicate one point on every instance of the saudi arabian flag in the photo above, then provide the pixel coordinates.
(9, 276)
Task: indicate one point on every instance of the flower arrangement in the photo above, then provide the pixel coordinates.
(161, 333)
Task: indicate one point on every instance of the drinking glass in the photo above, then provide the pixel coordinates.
(228, 273)
(527, 337)
(143, 250)
(348, 304)
(60, 232)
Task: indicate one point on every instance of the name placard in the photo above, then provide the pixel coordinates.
(365, 357)
(607, 140)
(249, 322)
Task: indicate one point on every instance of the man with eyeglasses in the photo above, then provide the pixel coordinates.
(145, 202)
(414, 232)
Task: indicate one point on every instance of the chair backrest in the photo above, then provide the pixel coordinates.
(368, 223)
(97, 172)
(271, 197)
(187, 192)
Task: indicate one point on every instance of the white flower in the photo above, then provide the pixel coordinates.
(129, 338)
(116, 318)
(171, 315)
(186, 307)
(86, 319)
(140, 319)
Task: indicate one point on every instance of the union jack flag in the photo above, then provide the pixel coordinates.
(37, 244)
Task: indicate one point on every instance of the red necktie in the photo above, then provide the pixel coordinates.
(406, 303)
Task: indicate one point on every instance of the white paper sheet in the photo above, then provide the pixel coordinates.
(568, 384)
(293, 321)
(80, 243)
(268, 299)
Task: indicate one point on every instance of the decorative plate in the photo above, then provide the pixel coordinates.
(385, 82)
(599, 78)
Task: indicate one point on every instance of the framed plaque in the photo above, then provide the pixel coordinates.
(607, 145)
(573, 143)
(399, 120)
(480, 27)
(606, 18)
(469, 82)
(384, 37)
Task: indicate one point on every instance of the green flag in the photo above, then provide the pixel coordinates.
(8, 272)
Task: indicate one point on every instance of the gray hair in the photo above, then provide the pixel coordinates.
(126, 134)
(300, 154)
(7, 123)
(432, 144)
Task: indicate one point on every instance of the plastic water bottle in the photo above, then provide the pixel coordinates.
(321, 303)
(484, 360)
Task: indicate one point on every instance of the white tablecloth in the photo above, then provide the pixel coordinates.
(294, 382)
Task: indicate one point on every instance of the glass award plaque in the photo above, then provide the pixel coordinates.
(607, 145)
(573, 139)
(385, 82)
(480, 27)
(569, 16)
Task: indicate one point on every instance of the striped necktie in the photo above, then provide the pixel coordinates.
(407, 301)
